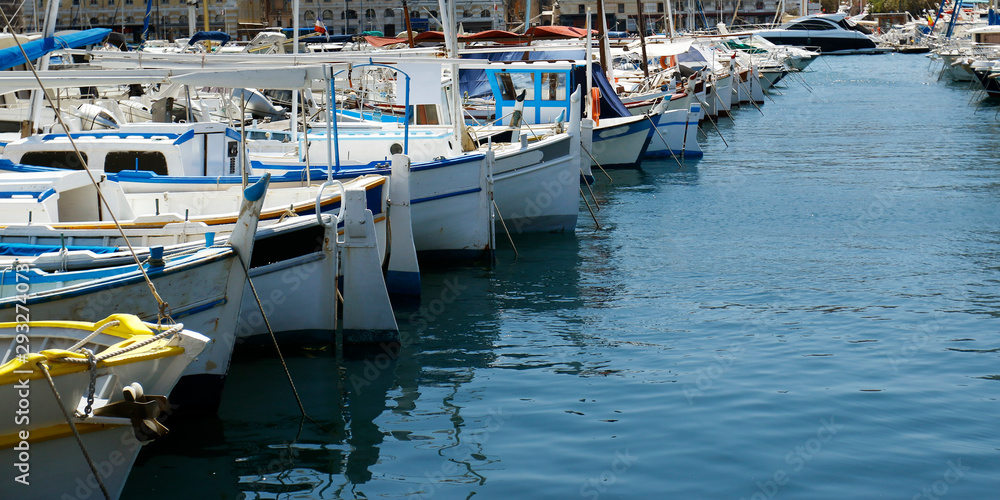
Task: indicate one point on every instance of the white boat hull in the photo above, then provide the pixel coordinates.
(620, 142)
(537, 188)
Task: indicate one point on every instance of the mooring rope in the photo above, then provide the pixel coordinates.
(72, 426)
(163, 306)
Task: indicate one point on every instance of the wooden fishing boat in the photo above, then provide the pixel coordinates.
(110, 377)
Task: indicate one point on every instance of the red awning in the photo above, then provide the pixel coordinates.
(557, 32)
(382, 41)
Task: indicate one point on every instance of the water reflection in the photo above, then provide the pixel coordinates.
(259, 445)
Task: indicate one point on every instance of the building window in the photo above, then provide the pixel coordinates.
(484, 13)
(659, 7)
(621, 8)
(389, 14)
(414, 14)
(76, 2)
(309, 16)
(127, 2)
(183, 20)
(581, 9)
(370, 14)
(94, 21)
(434, 14)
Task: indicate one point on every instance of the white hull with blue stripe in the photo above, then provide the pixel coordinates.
(680, 130)
(203, 290)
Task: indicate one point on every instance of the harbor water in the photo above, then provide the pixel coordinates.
(810, 312)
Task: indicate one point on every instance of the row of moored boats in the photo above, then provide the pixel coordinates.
(158, 208)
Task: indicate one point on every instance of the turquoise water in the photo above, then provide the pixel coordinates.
(810, 312)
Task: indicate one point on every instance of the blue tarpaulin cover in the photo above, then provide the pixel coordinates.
(611, 105)
(26, 250)
(216, 36)
(11, 56)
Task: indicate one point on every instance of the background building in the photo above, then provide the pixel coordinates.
(242, 18)
(355, 16)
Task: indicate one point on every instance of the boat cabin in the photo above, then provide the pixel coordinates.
(545, 86)
(176, 149)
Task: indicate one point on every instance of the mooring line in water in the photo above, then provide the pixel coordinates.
(79, 440)
(750, 95)
(802, 80)
(671, 151)
(585, 150)
(598, 224)
(729, 112)
(709, 116)
(762, 91)
(288, 374)
(591, 189)
(504, 224)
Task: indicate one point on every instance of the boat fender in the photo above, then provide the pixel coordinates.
(595, 105)
(468, 143)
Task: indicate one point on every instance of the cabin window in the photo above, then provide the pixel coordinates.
(812, 24)
(150, 161)
(511, 85)
(553, 86)
(426, 114)
(55, 159)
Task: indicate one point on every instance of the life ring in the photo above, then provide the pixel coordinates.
(664, 62)
(595, 105)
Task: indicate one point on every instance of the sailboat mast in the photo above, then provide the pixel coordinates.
(527, 16)
(37, 98)
(642, 38)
